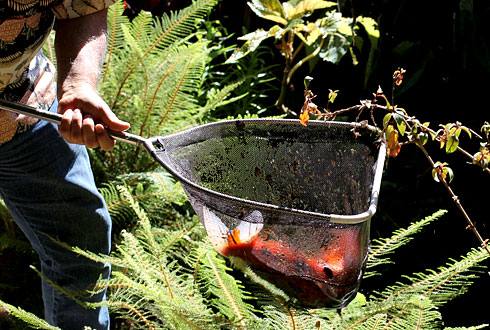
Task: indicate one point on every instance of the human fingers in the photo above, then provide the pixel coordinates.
(88, 130)
(71, 125)
(65, 124)
(105, 141)
(76, 127)
(110, 120)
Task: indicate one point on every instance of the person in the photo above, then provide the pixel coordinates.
(45, 176)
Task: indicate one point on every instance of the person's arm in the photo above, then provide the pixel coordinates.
(80, 46)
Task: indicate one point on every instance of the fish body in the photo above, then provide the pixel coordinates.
(320, 267)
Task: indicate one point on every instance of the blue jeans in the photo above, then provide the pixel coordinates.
(48, 186)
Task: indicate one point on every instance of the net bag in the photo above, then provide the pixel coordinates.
(294, 202)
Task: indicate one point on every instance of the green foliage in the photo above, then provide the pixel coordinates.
(153, 77)
(315, 26)
(253, 96)
(174, 279)
(30, 319)
(170, 277)
(157, 193)
(382, 248)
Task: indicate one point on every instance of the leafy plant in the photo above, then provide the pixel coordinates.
(174, 279)
(397, 124)
(328, 37)
(152, 77)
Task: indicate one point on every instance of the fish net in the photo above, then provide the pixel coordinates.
(293, 201)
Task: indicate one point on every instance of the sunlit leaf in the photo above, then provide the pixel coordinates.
(271, 10)
(452, 143)
(423, 137)
(253, 41)
(332, 95)
(313, 34)
(296, 9)
(345, 27)
(307, 81)
(400, 123)
(467, 130)
(370, 25)
(442, 171)
(449, 174)
(387, 119)
(276, 31)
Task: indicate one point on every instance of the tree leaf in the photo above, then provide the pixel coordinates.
(452, 143)
(466, 129)
(295, 9)
(387, 119)
(400, 123)
(271, 10)
(449, 174)
(371, 27)
(253, 41)
(392, 141)
(333, 50)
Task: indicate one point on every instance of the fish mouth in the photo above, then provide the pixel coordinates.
(312, 292)
(315, 292)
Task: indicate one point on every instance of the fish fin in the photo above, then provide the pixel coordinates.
(250, 227)
(217, 231)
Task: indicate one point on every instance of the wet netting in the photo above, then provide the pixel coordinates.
(294, 202)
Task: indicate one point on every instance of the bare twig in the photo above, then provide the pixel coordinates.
(471, 224)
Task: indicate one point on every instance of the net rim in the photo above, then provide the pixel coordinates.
(153, 145)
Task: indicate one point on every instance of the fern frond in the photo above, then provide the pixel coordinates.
(29, 318)
(483, 326)
(225, 293)
(419, 313)
(169, 29)
(444, 284)
(218, 98)
(381, 248)
(180, 24)
(115, 21)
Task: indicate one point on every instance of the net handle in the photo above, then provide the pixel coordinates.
(56, 119)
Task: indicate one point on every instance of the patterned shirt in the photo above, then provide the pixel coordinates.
(26, 75)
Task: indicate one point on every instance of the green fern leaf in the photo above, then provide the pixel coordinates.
(31, 319)
(381, 248)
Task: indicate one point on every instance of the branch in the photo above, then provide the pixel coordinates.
(456, 200)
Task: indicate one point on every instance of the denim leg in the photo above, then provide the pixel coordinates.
(48, 186)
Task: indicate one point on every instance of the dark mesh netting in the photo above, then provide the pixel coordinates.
(294, 202)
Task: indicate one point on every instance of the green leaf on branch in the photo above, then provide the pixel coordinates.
(452, 143)
(482, 158)
(442, 171)
(253, 41)
(400, 123)
(332, 95)
(386, 119)
(450, 136)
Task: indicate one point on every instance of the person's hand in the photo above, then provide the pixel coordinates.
(86, 117)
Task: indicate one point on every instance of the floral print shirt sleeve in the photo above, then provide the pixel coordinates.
(26, 75)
